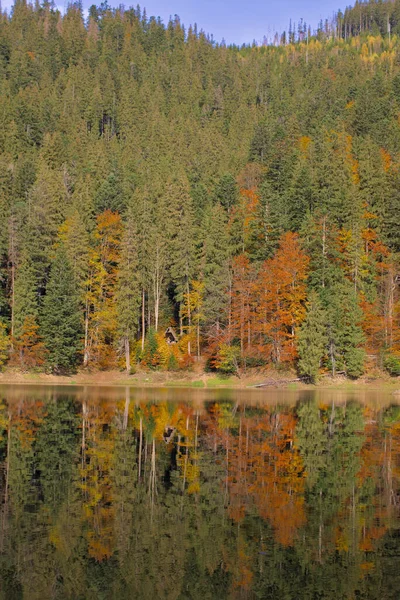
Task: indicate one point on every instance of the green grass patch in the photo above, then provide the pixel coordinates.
(185, 384)
(292, 386)
(221, 381)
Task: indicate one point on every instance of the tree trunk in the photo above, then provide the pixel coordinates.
(143, 318)
(189, 316)
(127, 354)
(333, 361)
(12, 302)
(86, 345)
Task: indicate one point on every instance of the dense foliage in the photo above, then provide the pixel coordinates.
(189, 184)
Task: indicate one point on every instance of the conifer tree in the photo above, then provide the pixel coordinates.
(312, 339)
(345, 332)
(61, 324)
(182, 242)
(215, 266)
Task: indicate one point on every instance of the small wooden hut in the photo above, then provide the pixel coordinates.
(170, 336)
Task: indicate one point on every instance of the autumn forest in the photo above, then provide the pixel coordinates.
(246, 199)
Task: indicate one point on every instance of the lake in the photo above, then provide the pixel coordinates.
(123, 493)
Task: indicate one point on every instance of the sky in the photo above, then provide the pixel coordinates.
(235, 21)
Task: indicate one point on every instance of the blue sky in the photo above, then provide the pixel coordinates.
(237, 21)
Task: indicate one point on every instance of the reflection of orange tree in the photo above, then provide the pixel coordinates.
(241, 565)
(265, 468)
(26, 418)
(95, 483)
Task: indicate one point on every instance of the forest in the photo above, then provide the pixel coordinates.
(247, 197)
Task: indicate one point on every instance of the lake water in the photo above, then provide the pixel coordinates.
(118, 493)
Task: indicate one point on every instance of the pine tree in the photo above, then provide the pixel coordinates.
(182, 242)
(345, 332)
(312, 339)
(61, 323)
(226, 192)
(215, 267)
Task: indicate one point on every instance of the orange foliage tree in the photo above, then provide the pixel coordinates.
(280, 295)
(30, 352)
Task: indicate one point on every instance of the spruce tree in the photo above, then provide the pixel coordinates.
(345, 332)
(61, 324)
(312, 339)
(215, 266)
(182, 241)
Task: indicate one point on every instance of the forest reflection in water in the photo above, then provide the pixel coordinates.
(175, 494)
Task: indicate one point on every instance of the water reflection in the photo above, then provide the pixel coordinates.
(180, 495)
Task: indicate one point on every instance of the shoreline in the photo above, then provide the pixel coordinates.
(193, 380)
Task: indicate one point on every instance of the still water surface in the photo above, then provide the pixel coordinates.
(114, 493)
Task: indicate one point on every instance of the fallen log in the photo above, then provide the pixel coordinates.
(276, 382)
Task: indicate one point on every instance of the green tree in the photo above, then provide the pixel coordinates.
(345, 333)
(312, 339)
(61, 323)
(181, 242)
(215, 266)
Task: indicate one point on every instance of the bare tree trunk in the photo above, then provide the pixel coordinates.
(333, 361)
(127, 354)
(189, 316)
(12, 302)
(156, 308)
(157, 286)
(86, 345)
(143, 317)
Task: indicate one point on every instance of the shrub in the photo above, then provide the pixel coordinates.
(391, 364)
(228, 359)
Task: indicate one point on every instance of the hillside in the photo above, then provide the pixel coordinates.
(247, 197)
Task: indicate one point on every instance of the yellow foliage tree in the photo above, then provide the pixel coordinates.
(4, 344)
